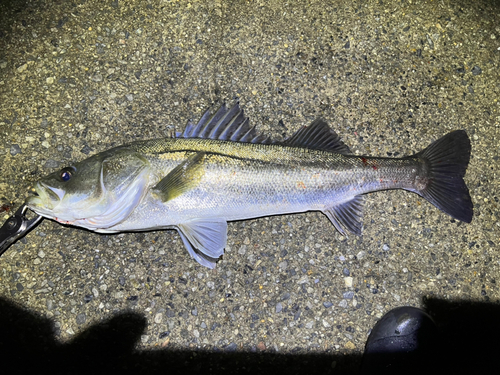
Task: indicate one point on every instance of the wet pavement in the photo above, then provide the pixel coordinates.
(77, 78)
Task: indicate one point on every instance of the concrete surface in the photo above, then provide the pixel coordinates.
(389, 76)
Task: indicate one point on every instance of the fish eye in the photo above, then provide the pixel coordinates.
(66, 173)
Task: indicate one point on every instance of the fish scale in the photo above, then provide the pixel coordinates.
(277, 178)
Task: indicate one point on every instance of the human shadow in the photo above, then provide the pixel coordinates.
(28, 344)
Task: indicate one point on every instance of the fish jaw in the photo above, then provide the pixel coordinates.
(45, 200)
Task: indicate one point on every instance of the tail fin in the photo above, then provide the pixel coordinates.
(446, 161)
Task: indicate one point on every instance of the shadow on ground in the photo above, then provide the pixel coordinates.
(27, 344)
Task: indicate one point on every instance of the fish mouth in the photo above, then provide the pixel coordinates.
(34, 198)
(44, 198)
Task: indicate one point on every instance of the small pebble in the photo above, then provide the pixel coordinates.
(51, 163)
(348, 295)
(15, 149)
(81, 318)
(476, 70)
(348, 281)
(158, 318)
(86, 150)
(279, 307)
(22, 68)
(349, 345)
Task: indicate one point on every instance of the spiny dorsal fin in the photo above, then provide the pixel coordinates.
(318, 136)
(226, 125)
(232, 125)
(182, 178)
(347, 215)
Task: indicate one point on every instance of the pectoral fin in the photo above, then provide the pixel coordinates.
(182, 178)
(208, 236)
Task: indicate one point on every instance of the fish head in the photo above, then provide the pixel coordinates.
(95, 193)
(70, 193)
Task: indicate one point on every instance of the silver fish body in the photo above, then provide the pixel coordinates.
(243, 181)
(220, 171)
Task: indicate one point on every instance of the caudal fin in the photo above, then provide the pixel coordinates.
(446, 161)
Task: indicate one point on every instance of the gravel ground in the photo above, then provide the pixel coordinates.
(77, 78)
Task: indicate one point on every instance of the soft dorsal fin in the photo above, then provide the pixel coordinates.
(318, 136)
(226, 125)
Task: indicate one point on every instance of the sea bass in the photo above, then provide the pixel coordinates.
(220, 170)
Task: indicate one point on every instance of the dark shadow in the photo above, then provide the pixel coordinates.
(466, 342)
(28, 345)
(469, 335)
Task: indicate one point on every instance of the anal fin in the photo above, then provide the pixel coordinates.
(347, 216)
(199, 257)
(207, 236)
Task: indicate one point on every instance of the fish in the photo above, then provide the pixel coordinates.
(222, 170)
